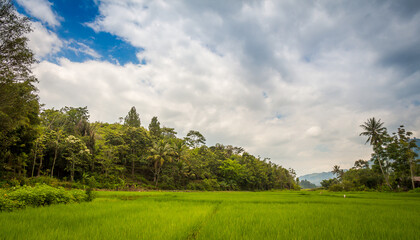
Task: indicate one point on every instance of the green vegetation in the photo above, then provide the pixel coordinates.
(222, 215)
(306, 184)
(394, 162)
(40, 195)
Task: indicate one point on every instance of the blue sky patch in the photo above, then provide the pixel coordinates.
(82, 43)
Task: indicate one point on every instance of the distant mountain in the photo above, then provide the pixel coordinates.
(316, 178)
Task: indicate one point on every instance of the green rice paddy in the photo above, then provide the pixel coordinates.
(222, 215)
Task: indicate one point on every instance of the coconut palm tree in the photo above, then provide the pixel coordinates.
(160, 152)
(337, 171)
(375, 132)
(179, 150)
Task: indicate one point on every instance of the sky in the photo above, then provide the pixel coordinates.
(287, 80)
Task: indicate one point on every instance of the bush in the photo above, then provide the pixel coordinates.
(41, 180)
(415, 190)
(8, 205)
(211, 184)
(196, 185)
(41, 195)
(347, 185)
(336, 187)
(90, 195)
(384, 188)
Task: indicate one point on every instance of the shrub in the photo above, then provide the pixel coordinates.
(336, 187)
(41, 180)
(384, 188)
(90, 194)
(347, 185)
(41, 195)
(8, 205)
(415, 190)
(211, 184)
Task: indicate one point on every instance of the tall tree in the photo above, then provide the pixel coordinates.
(154, 128)
(402, 151)
(375, 131)
(19, 106)
(160, 152)
(76, 152)
(137, 141)
(132, 119)
(74, 117)
(168, 132)
(338, 171)
(53, 122)
(195, 139)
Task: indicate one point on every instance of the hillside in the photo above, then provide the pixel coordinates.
(316, 178)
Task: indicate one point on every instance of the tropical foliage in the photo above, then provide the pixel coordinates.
(393, 164)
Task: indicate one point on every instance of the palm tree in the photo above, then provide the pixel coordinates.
(179, 150)
(375, 131)
(337, 171)
(160, 152)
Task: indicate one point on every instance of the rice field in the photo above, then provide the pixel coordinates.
(222, 215)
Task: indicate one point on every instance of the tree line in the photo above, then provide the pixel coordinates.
(64, 144)
(393, 165)
(67, 146)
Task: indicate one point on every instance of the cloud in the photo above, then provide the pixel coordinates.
(81, 48)
(313, 131)
(41, 9)
(43, 42)
(287, 80)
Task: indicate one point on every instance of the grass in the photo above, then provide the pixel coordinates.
(222, 215)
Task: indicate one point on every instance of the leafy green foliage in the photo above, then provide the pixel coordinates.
(132, 119)
(154, 128)
(41, 195)
(394, 162)
(19, 106)
(195, 139)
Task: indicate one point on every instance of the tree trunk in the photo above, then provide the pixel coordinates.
(72, 170)
(55, 155)
(375, 149)
(132, 168)
(40, 166)
(411, 173)
(157, 174)
(157, 179)
(383, 173)
(33, 165)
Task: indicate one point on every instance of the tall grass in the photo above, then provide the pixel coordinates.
(222, 215)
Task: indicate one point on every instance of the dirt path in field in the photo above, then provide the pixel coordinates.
(196, 229)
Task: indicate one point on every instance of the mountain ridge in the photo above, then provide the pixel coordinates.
(316, 178)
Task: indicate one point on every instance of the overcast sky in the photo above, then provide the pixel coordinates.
(287, 80)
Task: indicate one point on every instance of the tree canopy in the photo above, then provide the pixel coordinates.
(19, 106)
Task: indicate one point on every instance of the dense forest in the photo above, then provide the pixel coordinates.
(67, 146)
(63, 143)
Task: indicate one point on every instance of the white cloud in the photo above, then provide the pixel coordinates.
(313, 131)
(41, 9)
(283, 79)
(43, 42)
(81, 48)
